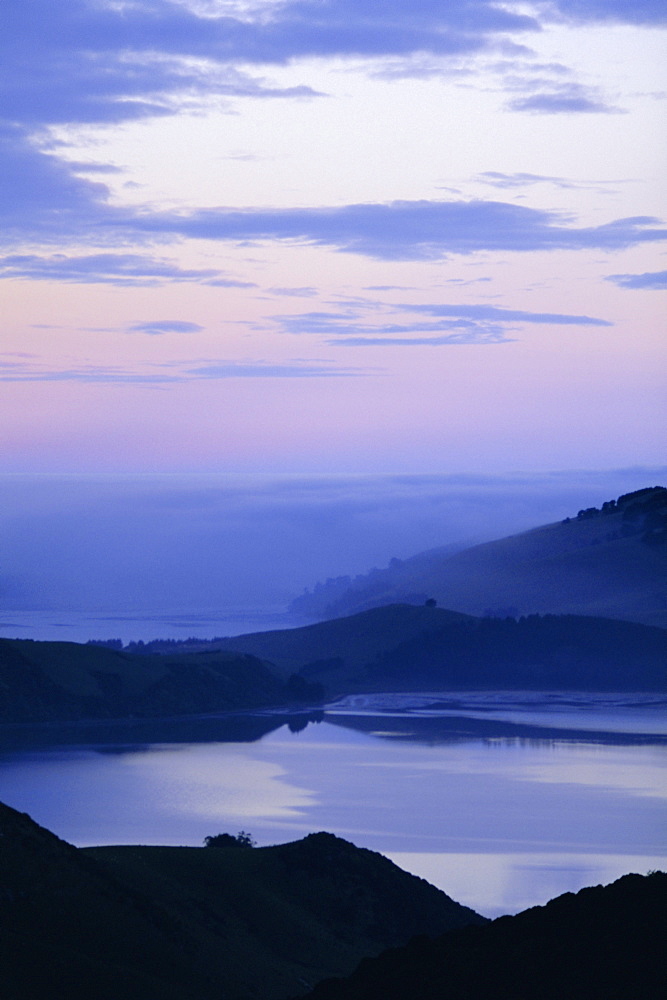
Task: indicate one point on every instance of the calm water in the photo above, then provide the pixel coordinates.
(131, 626)
(502, 800)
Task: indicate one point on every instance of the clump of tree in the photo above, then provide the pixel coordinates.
(241, 839)
(643, 513)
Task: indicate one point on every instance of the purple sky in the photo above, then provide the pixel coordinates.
(334, 236)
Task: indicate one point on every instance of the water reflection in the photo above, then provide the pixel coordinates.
(626, 718)
(434, 730)
(500, 818)
(127, 735)
(494, 884)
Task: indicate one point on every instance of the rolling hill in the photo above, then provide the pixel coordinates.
(406, 648)
(350, 642)
(609, 562)
(58, 681)
(395, 648)
(604, 943)
(589, 594)
(175, 923)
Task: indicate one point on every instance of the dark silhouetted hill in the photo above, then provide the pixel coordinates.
(406, 648)
(350, 642)
(56, 681)
(178, 923)
(396, 648)
(609, 562)
(604, 943)
(556, 652)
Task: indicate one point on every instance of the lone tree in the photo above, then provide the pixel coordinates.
(242, 839)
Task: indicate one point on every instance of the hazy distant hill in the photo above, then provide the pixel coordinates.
(44, 681)
(179, 923)
(604, 943)
(406, 648)
(610, 562)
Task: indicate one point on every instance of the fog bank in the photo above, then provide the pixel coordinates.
(214, 543)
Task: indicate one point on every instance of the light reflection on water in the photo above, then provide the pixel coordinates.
(494, 884)
(499, 823)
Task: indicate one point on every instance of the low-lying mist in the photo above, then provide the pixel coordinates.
(214, 542)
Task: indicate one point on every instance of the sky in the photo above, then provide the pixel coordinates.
(332, 236)
(292, 287)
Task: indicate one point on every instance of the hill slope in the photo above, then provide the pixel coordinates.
(351, 641)
(54, 681)
(406, 648)
(610, 563)
(395, 648)
(604, 943)
(176, 923)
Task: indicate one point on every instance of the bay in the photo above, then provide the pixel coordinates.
(503, 800)
(50, 625)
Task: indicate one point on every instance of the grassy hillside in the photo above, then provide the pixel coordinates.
(153, 923)
(604, 943)
(351, 642)
(552, 652)
(610, 562)
(406, 648)
(44, 681)
(395, 648)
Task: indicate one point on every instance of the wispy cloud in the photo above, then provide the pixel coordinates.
(655, 280)
(349, 328)
(94, 61)
(298, 369)
(570, 99)
(406, 230)
(615, 11)
(35, 371)
(41, 196)
(520, 179)
(305, 292)
(66, 207)
(159, 326)
(97, 62)
(109, 268)
(90, 167)
(171, 373)
(500, 314)
(432, 325)
(549, 88)
(100, 62)
(471, 335)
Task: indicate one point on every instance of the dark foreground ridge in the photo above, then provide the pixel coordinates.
(604, 943)
(190, 923)
(223, 923)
